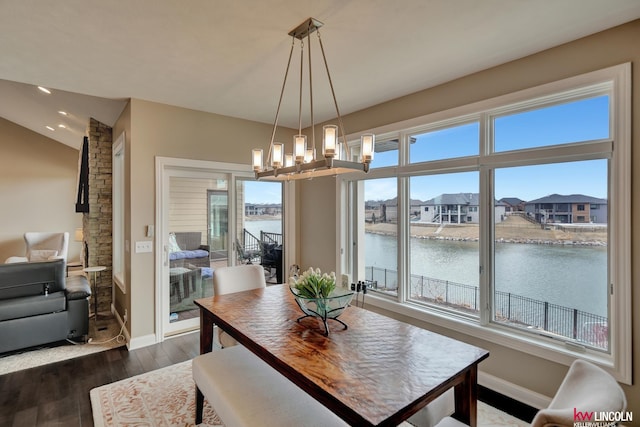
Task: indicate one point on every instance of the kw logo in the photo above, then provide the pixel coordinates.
(582, 416)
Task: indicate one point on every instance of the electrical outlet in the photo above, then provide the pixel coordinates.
(346, 280)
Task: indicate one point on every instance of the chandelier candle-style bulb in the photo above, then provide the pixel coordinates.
(288, 160)
(330, 133)
(300, 147)
(367, 146)
(309, 156)
(257, 159)
(277, 155)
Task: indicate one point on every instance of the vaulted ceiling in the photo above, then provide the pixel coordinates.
(229, 57)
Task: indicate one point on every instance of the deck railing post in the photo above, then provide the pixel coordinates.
(546, 316)
(446, 292)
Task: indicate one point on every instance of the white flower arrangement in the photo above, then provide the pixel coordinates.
(314, 284)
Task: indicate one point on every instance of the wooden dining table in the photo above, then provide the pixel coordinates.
(377, 372)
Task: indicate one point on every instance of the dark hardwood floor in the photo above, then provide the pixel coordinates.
(58, 394)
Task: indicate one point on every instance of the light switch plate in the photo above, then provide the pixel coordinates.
(144, 246)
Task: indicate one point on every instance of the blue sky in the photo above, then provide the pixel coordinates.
(572, 122)
(582, 120)
(263, 192)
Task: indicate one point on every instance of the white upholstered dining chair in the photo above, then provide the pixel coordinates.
(238, 278)
(586, 388)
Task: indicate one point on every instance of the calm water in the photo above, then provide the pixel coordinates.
(565, 275)
(269, 226)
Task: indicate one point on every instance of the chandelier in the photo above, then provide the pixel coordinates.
(302, 162)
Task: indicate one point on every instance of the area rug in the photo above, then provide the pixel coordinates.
(166, 397)
(161, 398)
(105, 337)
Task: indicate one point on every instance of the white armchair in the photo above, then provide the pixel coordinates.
(586, 388)
(43, 246)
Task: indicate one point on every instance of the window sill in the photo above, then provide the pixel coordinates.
(539, 346)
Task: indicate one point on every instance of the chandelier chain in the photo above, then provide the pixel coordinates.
(313, 124)
(335, 101)
(284, 83)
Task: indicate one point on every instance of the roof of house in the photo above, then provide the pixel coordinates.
(571, 198)
(469, 199)
(455, 199)
(513, 201)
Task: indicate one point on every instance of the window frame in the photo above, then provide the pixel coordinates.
(118, 214)
(616, 82)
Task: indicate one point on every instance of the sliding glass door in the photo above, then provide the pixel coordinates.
(259, 231)
(196, 233)
(211, 217)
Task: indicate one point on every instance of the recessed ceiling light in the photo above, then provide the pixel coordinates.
(61, 126)
(50, 128)
(45, 90)
(63, 113)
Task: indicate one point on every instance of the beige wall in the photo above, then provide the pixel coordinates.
(602, 50)
(167, 131)
(38, 188)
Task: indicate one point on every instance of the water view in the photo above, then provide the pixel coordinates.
(267, 225)
(573, 276)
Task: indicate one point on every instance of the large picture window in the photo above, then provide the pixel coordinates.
(508, 220)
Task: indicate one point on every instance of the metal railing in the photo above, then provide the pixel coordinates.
(269, 237)
(251, 249)
(248, 248)
(511, 309)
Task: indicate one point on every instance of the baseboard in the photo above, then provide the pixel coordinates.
(506, 404)
(143, 341)
(513, 391)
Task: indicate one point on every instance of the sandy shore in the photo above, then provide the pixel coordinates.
(513, 230)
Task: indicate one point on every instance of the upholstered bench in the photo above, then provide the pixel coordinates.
(245, 391)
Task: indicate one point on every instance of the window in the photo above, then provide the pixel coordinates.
(445, 142)
(118, 157)
(444, 272)
(541, 278)
(553, 124)
(556, 282)
(386, 152)
(380, 259)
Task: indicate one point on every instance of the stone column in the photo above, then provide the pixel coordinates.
(97, 223)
